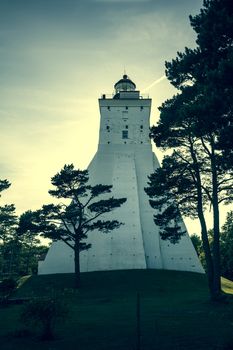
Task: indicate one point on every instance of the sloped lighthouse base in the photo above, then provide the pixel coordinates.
(124, 159)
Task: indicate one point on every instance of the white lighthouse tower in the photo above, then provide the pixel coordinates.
(124, 159)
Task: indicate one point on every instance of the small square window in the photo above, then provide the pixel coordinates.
(107, 127)
(141, 108)
(125, 134)
(126, 126)
(109, 108)
(141, 126)
(126, 107)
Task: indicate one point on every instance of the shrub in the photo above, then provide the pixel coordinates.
(7, 286)
(44, 313)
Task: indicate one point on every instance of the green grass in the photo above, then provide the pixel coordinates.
(175, 312)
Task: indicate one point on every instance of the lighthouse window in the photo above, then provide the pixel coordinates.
(126, 107)
(126, 126)
(107, 127)
(109, 108)
(141, 108)
(141, 126)
(125, 134)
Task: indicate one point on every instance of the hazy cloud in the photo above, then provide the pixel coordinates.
(120, 1)
(56, 58)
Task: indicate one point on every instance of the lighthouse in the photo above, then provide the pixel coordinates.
(124, 159)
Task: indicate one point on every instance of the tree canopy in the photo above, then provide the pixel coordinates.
(71, 222)
(196, 124)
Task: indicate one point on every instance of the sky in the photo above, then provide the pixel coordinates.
(56, 58)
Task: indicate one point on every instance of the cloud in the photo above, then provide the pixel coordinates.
(157, 81)
(57, 57)
(118, 1)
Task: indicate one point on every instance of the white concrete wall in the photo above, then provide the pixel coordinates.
(117, 115)
(137, 244)
(59, 259)
(125, 164)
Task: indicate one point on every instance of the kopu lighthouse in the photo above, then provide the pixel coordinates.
(124, 159)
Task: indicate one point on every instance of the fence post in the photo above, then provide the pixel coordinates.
(138, 322)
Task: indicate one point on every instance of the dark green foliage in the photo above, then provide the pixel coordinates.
(8, 224)
(226, 242)
(45, 313)
(4, 184)
(8, 221)
(172, 192)
(71, 222)
(7, 286)
(197, 125)
(20, 256)
(175, 312)
(8, 218)
(8, 240)
(19, 253)
(9, 251)
(197, 243)
(226, 247)
(209, 68)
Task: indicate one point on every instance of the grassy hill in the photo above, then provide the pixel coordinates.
(175, 312)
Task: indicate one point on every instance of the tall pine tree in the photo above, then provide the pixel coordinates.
(86, 210)
(197, 124)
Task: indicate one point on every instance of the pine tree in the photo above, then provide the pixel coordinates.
(8, 223)
(71, 222)
(197, 124)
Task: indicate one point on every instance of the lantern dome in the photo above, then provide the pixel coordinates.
(124, 84)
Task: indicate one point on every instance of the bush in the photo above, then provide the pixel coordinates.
(7, 286)
(44, 313)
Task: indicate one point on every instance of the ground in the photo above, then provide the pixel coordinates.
(176, 312)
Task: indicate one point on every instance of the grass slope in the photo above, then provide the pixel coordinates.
(175, 312)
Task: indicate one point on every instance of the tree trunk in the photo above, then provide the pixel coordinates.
(216, 244)
(208, 256)
(138, 347)
(77, 264)
(206, 245)
(11, 262)
(3, 246)
(201, 217)
(28, 257)
(47, 333)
